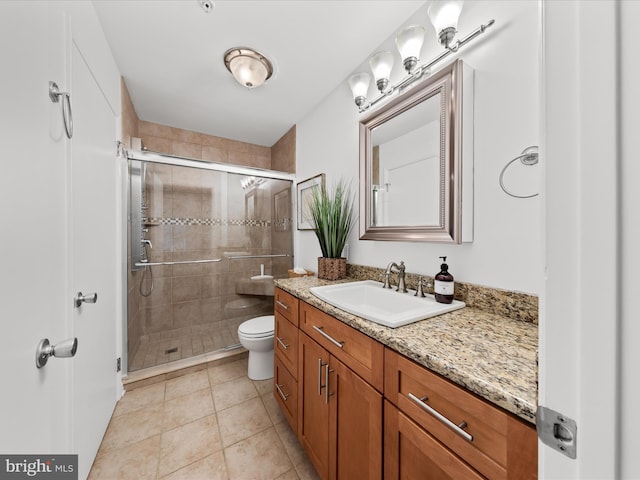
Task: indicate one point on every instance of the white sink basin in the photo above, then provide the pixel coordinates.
(367, 299)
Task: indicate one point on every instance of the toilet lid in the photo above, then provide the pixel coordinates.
(259, 326)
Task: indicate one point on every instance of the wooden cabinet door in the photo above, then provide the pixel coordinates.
(313, 407)
(355, 426)
(412, 454)
(286, 343)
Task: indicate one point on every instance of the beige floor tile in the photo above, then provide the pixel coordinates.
(243, 420)
(227, 371)
(306, 471)
(185, 409)
(138, 461)
(188, 443)
(273, 409)
(187, 384)
(233, 392)
(290, 475)
(212, 467)
(264, 386)
(140, 398)
(260, 457)
(291, 444)
(132, 427)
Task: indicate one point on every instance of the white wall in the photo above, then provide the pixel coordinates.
(506, 251)
(630, 254)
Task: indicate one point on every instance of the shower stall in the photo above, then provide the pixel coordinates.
(206, 241)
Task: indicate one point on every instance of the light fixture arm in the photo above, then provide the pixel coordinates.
(423, 70)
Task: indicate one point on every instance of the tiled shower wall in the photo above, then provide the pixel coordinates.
(192, 298)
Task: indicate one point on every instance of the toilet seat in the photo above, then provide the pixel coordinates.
(258, 327)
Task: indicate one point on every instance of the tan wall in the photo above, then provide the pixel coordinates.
(283, 152)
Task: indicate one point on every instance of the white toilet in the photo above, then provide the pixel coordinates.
(256, 335)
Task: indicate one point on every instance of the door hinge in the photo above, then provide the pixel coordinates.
(557, 431)
(118, 364)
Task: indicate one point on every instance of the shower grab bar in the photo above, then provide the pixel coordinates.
(184, 262)
(236, 257)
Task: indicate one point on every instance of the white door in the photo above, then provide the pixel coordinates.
(58, 236)
(34, 412)
(93, 244)
(579, 324)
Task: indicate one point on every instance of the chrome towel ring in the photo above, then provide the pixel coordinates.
(528, 157)
(67, 117)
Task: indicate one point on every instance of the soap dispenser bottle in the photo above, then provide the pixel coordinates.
(443, 284)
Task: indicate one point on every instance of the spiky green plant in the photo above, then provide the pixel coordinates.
(332, 216)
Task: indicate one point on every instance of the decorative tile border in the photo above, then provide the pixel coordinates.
(514, 305)
(210, 222)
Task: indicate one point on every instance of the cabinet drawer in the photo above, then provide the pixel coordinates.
(285, 389)
(286, 343)
(410, 452)
(415, 390)
(286, 305)
(360, 353)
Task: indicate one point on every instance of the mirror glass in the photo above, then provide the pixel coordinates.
(405, 161)
(411, 163)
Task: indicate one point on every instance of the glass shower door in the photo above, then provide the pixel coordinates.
(214, 242)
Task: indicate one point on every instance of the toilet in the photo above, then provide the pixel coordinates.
(256, 335)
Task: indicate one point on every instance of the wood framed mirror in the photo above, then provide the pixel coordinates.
(411, 162)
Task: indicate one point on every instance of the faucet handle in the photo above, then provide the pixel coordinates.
(420, 287)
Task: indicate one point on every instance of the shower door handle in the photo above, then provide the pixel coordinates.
(89, 298)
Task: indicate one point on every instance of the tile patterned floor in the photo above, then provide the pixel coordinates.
(208, 425)
(163, 347)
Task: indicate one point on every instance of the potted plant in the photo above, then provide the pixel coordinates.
(332, 217)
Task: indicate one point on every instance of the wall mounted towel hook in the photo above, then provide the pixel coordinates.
(529, 156)
(67, 117)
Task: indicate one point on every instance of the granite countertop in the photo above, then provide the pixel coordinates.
(490, 355)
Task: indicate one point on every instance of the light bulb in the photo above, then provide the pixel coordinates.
(381, 65)
(359, 84)
(444, 16)
(409, 43)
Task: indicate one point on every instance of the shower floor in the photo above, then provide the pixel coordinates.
(163, 347)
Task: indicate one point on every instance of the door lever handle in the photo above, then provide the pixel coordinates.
(64, 349)
(89, 298)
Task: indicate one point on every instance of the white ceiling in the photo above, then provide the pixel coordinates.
(170, 55)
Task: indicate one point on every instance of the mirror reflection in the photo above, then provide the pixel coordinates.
(405, 167)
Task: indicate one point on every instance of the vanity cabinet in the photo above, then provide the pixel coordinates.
(339, 413)
(363, 411)
(463, 430)
(285, 362)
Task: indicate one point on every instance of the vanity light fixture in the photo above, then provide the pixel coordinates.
(251, 182)
(249, 67)
(444, 15)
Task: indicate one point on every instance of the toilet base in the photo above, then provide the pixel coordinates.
(260, 365)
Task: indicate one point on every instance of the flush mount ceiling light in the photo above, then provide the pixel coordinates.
(444, 15)
(249, 67)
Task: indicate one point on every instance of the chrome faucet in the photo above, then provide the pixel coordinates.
(400, 269)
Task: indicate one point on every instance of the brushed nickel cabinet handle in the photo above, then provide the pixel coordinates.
(282, 394)
(456, 428)
(283, 305)
(327, 336)
(282, 344)
(327, 371)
